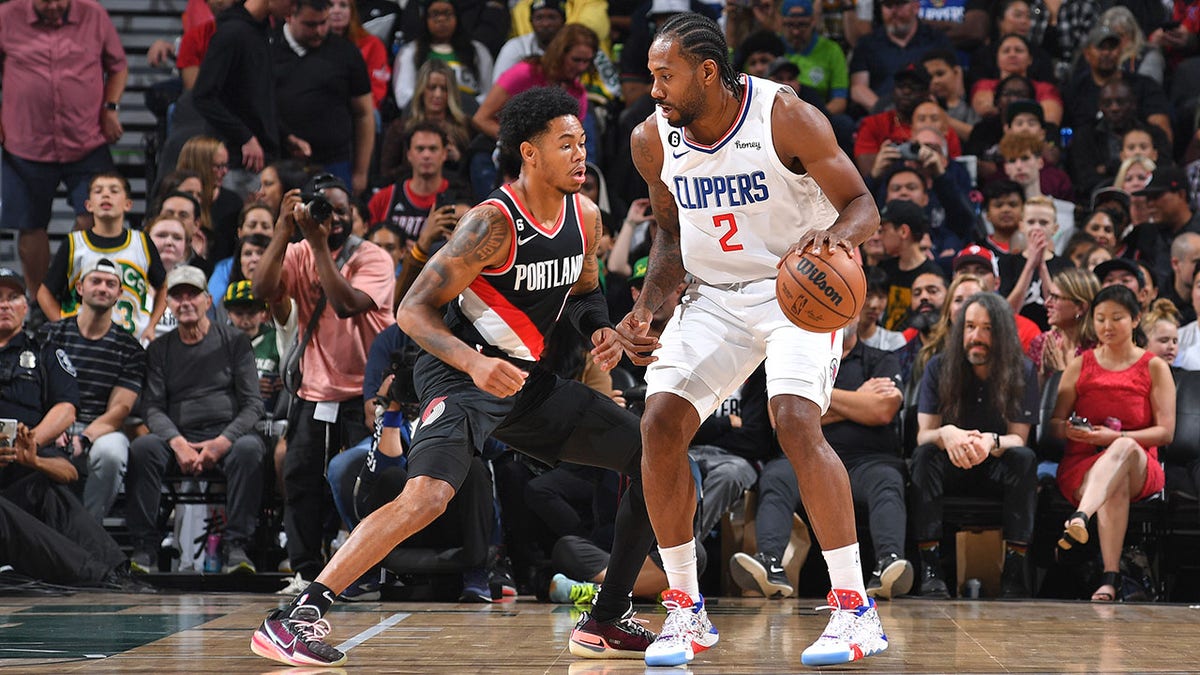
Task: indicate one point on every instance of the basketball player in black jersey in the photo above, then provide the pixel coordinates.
(514, 265)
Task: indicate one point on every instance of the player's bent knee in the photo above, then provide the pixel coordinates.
(425, 498)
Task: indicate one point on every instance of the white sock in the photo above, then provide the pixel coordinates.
(679, 562)
(845, 569)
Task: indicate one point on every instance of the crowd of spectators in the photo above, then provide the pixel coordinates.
(1024, 155)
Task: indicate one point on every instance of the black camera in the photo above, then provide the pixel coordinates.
(910, 150)
(318, 207)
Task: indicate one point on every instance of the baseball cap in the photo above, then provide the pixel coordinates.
(914, 73)
(977, 254)
(555, 5)
(903, 212)
(9, 277)
(1099, 33)
(782, 63)
(1110, 194)
(1164, 179)
(241, 293)
(639, 270)
(186, 275)
(1119, 265)
(796, 8)
(101, 265)
(1024, 105)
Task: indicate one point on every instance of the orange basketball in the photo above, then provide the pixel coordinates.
(820, 293)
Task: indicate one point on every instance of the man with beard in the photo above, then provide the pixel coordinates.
(1170, 216)
(110, 365)
(1103, 53)
(715, 127)
(896, 45)
(928, 296)
(902, 226)
(347, 283)
(895, 126)
(977, 402)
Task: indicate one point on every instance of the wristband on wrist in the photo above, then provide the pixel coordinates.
(418, 254)
(393, 419)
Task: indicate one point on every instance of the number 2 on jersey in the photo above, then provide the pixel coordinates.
(726, 220)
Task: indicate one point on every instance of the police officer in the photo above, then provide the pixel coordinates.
(45, 532)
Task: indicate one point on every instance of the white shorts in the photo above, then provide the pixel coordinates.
(719, 335)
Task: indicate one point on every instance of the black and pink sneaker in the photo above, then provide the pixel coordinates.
(623, 638)
(295, 639)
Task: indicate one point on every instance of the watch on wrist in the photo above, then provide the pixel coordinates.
(108, 105)
(996, 437)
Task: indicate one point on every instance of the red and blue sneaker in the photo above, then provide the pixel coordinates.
(295, 639)
(686, 632)
(853, 632)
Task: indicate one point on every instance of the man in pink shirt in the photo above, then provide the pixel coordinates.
(329, 415)
(64, 73)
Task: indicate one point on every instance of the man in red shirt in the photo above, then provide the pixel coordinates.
(64, 73)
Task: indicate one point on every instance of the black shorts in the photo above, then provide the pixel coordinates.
(551, 419)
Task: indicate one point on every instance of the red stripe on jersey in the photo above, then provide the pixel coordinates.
(733, 128)
(583, 229)
(512, 239)
(514, 318)
(562, 213)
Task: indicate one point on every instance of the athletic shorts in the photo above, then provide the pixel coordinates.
(551, 419)
(718, 336)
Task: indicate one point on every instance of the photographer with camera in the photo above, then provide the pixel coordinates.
(342, 287)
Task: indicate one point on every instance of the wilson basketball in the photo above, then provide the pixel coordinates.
(820, 293)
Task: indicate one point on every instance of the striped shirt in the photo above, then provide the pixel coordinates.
(115, 360)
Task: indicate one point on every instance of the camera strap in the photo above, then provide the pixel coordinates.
(292, 377)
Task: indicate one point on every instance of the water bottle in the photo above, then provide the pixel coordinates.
(212, 554)
(1065, 134)
(971, 589)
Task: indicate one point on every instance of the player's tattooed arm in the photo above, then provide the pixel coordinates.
(589, 279)
(665, 269)
(482, 239)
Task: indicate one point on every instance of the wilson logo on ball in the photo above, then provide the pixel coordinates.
(806, 268)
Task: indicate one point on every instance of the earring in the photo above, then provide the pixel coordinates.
(1077, 315)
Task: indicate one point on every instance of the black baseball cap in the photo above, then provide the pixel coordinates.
(903, 212)
(9, 277)
(1024, 105)
(914, 72)
(1120, 265)
(1110, 194)
(1164, 179)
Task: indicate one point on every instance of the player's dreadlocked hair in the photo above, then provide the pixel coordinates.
(700, 39)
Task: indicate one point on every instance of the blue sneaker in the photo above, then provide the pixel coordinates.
(686, 632)
(365, 589)
(853, 632)
(475, 586)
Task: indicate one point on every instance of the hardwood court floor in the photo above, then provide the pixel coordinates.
(109, 633)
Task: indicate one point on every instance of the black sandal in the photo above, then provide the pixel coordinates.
(1108, 579)
(1074, 534)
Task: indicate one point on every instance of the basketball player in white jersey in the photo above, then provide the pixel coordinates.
(740, 171)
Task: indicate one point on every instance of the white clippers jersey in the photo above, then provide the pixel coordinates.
(739, 207)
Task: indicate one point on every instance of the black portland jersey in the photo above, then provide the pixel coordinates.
(514, 307)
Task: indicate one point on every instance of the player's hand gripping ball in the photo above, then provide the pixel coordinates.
(820, 293)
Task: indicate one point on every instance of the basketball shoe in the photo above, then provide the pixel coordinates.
(295, 639)
(621, 638)
(686, 632)
(762, 573)
(853, 631)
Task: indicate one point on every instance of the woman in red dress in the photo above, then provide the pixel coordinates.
(1123, 404)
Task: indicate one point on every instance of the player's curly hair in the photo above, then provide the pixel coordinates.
(528, 115)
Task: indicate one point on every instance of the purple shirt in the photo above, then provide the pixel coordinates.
(54, 80)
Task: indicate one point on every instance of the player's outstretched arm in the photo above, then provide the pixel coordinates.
(587, 309)
(482, 239)
(815, 151)
(665, 269)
